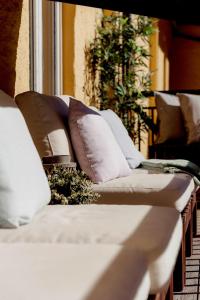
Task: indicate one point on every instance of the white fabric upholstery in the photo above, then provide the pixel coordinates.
(23, 184)
(46, 117)
(171, 124)
(190, 107)
(72, 272)
(172, 190)
(155, 231)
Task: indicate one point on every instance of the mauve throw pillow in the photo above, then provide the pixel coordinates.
(132, 155)
(97, 151)
(171, 124)
(190, 106)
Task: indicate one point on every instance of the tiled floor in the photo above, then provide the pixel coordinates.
(192, 288)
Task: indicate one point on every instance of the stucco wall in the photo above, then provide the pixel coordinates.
(23, 57)
(185, 59)
(159, 62)
(68, 48)
(10, 17)
(78, 29)
(175, 59)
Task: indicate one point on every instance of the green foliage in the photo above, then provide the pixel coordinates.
(70, 187)
(117, 66)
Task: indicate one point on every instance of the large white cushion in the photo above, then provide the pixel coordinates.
(97, 151)
(172, 190)
(132, 155)
(72, 272)
(23, 184)
(46, 117)
(156, 231)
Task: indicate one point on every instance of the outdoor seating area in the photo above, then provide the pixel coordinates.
(131, 243)
(177, 139)
(99, 156)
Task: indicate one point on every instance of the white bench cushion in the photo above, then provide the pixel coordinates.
(172, 190)
(73, 272)
(156, 231)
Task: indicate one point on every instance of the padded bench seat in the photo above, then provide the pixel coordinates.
(74, 272)
(171, 190)
(154, 231)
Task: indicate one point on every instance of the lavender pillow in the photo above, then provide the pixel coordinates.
(97, 151)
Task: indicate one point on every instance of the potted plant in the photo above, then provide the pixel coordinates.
(117, 71)
(70, 186)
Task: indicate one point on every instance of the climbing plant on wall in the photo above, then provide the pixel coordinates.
(117, 68)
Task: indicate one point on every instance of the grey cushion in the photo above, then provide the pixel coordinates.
(132, 155)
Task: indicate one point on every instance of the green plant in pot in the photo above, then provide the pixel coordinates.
(117, 68)
(70, 187)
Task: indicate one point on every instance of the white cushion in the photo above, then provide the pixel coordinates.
(72, 272)
(23, 184)
(46, 117)
(135, 227)
(171, 125)
(97, 151)
(132, 155)
(172, 190)
(190, 106)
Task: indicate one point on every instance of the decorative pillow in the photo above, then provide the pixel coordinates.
(132, 155)
(46, 117)
(97, 151)
(23, 184)
(190, 106)
(171, 126)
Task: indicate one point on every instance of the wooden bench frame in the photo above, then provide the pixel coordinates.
(189, 215)
(177, 282)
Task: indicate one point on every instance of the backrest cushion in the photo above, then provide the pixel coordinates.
(171, 124)
(23, 184)
(46, 117)
(97, 151)
(132, 155)
(190, 106)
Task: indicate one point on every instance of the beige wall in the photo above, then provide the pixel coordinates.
(175, 60)
(23, 57)
(185, 59)
(68, 48)
(78, 29)
(159, 62)
(14, 50)
(10, 18)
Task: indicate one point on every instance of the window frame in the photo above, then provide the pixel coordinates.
(46, 72)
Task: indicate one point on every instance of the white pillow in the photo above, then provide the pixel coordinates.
(97, 151)
(23, 184)
(171, 123)
(132, 155)
(190, 106)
